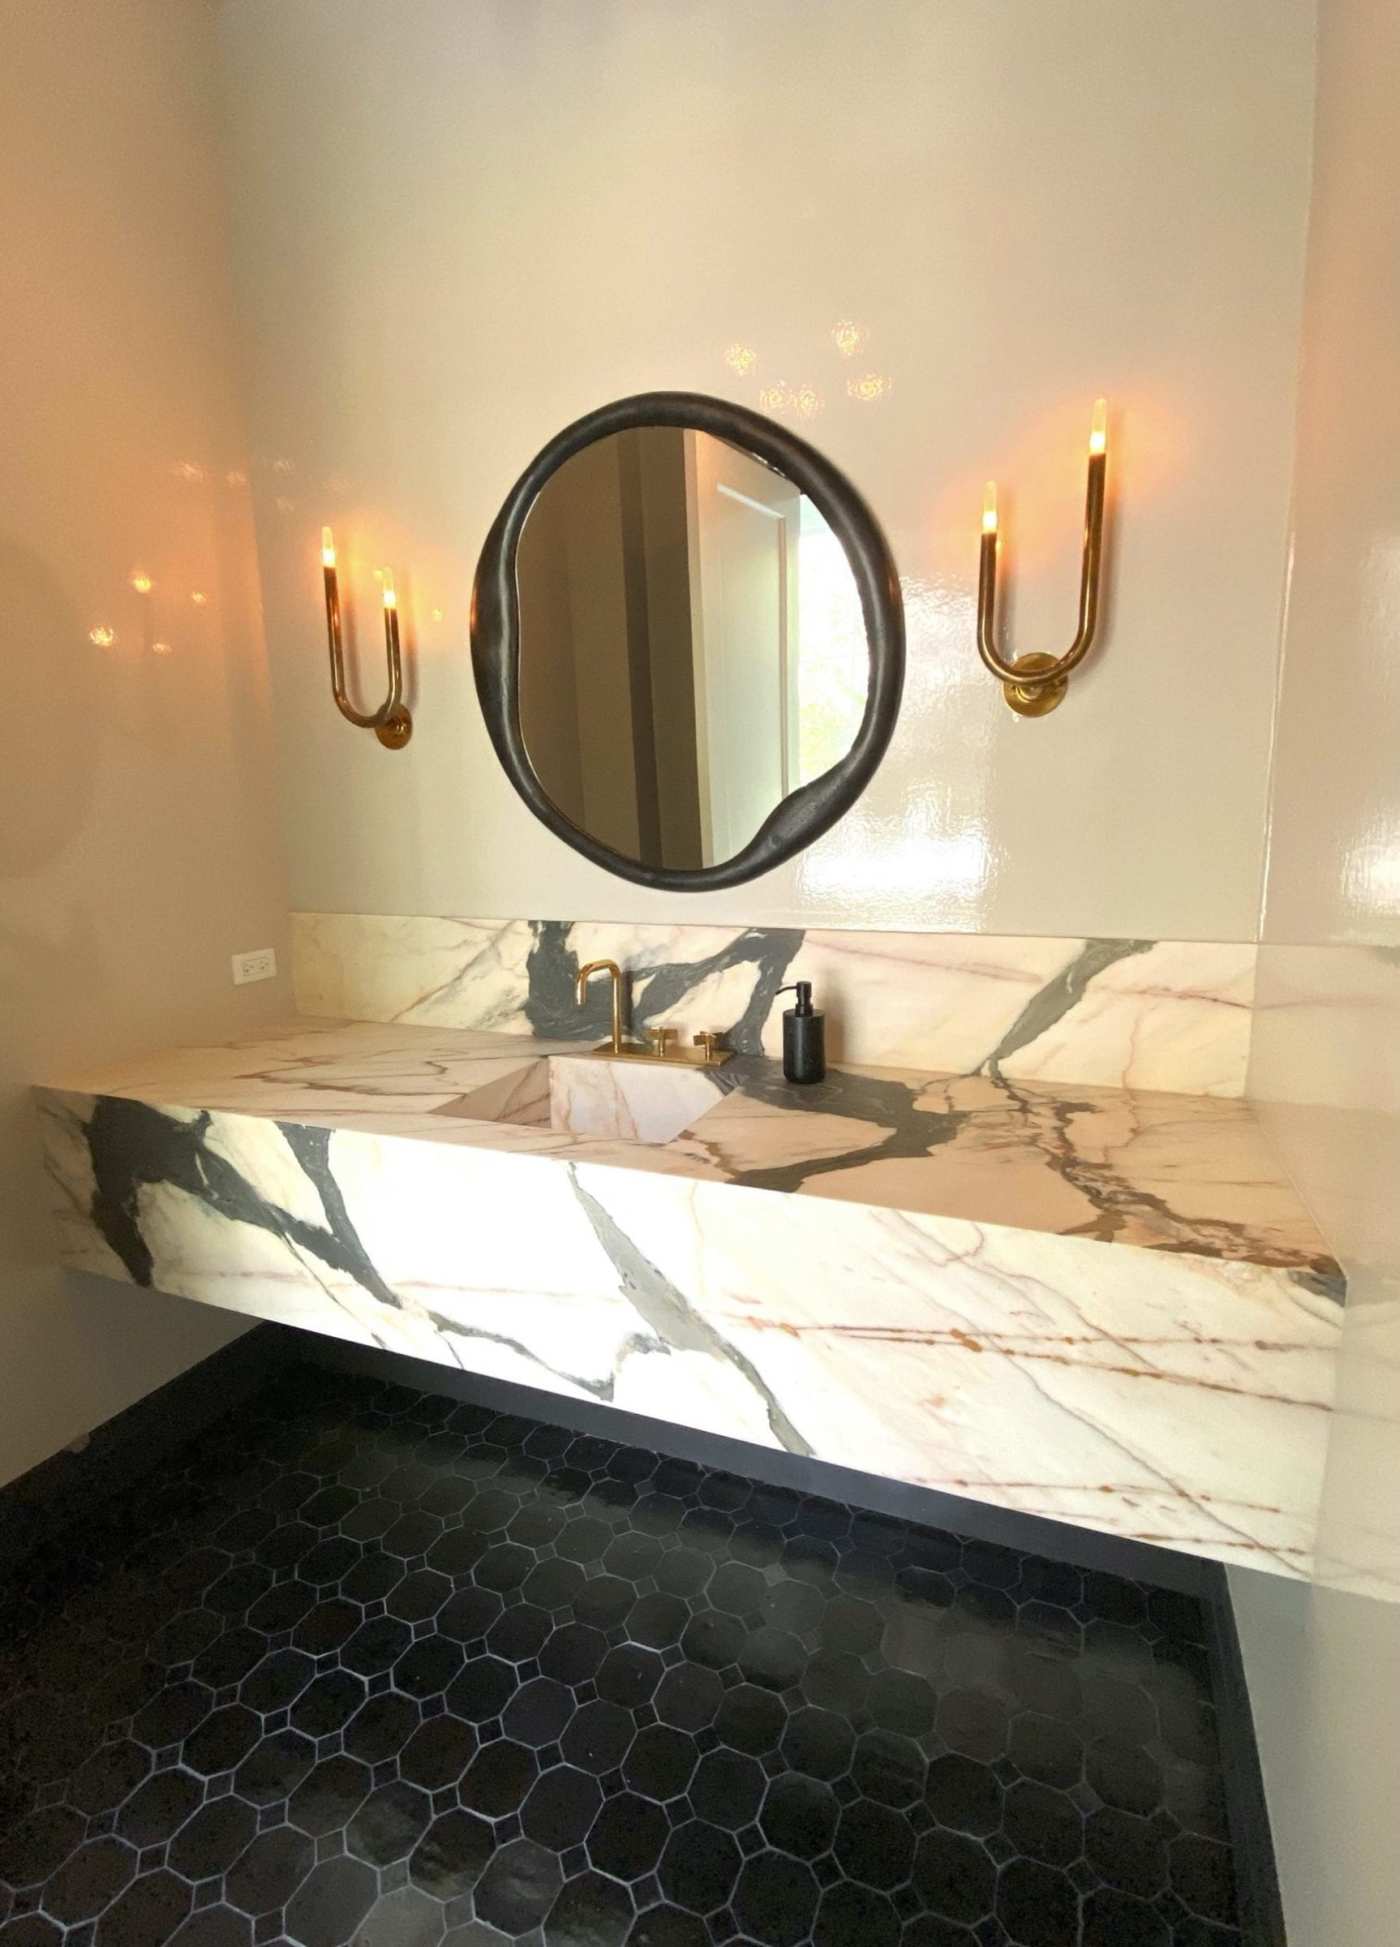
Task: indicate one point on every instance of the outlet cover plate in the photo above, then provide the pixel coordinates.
(259, 964)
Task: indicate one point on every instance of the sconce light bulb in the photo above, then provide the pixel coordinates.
(1098, 427)
(391, 599)
(989, 508)
(327, 548)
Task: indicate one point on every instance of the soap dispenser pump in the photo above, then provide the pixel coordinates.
(804, 1036)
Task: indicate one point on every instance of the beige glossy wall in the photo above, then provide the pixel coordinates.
(138, 845)
(1325, 1665)
(459, 226)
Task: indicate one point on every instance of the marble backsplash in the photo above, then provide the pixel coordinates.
(1150, 1014)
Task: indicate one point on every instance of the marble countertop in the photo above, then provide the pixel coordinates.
(1183, 1174)
(1098, 1304)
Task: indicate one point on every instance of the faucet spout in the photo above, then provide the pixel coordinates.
(614, 972)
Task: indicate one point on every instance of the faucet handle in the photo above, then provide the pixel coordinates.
(709, 1041)
(661, 1039)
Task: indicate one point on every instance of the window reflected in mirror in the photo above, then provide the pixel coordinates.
(692, 646)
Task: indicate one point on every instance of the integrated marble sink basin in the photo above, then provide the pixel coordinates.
(591, 1096)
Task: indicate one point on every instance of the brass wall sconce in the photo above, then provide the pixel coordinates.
(1035, 685)
(391, 722)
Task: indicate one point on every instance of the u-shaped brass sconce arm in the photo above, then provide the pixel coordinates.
(1034, 685)
(391, 722)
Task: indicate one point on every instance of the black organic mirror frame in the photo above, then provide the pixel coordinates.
(495, 633)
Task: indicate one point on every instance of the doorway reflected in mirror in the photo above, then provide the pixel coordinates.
(692, 644)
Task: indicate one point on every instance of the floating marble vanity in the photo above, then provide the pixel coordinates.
(1098, 1304)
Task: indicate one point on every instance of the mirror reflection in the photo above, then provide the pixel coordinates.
(692, 647)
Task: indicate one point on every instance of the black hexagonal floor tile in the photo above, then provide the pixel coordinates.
(668, 1926)
(597, 1736)
(159, 1807)
(207, 1844)
(689, 1697)
(727, 1788)
(438, 1753)
(874, 1844)
(214, 1926)
(799, 1815)
(364, 1665)
(381, 1727)
(699, 1866)
(94, 1875)
(329, 1795)
(223, 1740)
(851, 1915)
(661, 1762)
(628, 1836)
(34, 1847)
(330, 1903)
(519, 1886)
(274, 1767)
(389, 1823)
(150, 1909)
(264, 1877)
(1037, 1904)
(499, 1777)
(108, 1777)
(818, 1741)
(775, 1899)
(451, 1855)
(328, 1704)
(954, 1876)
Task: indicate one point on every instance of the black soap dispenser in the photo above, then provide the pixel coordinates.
(804, 1036)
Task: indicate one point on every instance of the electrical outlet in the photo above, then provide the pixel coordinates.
(260, 964)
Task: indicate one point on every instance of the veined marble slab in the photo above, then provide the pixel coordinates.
(1103, 1308)
(1325, 1072)
(1156, 1014)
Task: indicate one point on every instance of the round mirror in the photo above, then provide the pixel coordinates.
(687, 640)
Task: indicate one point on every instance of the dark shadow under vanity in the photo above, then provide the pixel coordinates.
(453, 1662)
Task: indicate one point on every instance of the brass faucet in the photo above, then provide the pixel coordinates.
(705, 1051)
(614, 972)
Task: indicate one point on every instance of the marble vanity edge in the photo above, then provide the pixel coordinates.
(861, 1137)
(1153, 1014)
(966, 1331)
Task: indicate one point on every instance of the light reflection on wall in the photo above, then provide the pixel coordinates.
(1371, 873)
(131, 631)
(806, 399)
(876, 860)
(931, 838)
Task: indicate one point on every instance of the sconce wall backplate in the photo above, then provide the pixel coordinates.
(1035, 699)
